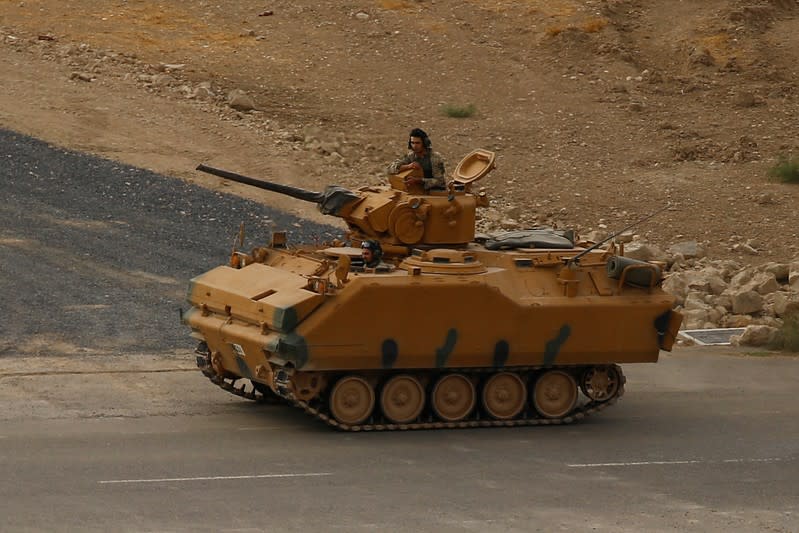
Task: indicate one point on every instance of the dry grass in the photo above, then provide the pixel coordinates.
(147, 27)
(393, 5)
(593, 25)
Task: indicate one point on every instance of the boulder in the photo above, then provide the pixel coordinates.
(764, 283)
(793, 276)
(695, 300)
(785, 303)
(687, 249)
(715, 315)
(202, 92)
(681, 283)
(240, 101)
(740, 278)
(694, 318)
(676, 284)
(756, 335)
(726, 268)
(723, 300)
(752, 280)
(780, 271)
(746, 302)
(644, 251)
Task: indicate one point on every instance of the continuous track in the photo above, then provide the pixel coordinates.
(529, 417)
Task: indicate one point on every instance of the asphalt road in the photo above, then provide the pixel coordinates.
(95, 256)
(107, 426)
(701, 441)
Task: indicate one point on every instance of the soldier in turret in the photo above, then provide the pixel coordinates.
(421, 157)
(372, 256)
(371, 253)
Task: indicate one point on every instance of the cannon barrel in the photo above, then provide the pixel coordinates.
(294, 192)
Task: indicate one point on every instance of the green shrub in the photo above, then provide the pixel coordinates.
(786, 169)
(790, 333)
(456, 111)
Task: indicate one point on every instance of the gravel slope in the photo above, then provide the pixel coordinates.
(95, 256)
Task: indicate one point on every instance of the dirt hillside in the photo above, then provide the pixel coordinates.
(600, 111)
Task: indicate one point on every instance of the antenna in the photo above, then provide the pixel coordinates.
(576, 258)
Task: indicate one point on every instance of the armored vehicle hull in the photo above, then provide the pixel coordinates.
(448, 338)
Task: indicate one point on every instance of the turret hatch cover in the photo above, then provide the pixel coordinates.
(443, 261)
(474, 166)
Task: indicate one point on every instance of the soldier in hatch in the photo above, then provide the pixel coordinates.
(421, 157)
(372, 253)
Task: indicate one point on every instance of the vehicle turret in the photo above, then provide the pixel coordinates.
(400, 216)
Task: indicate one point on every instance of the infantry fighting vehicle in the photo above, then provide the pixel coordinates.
(522, 328)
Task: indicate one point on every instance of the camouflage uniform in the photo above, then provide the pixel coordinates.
(432, 163)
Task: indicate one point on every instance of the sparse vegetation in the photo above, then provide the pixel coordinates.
(790, 333)
(394, 4)
(759, 353)
(787, 338)
(786, 169)
(457, 111)
(594, 25)
(589, 26)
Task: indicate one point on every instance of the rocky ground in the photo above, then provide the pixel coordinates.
(600, 111)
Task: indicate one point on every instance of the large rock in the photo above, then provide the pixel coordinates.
(676, 284)
(706, 281)
(752, 280)
(780, 271)
(726, 268)
(715, 315)
(757, 335)
(772, 321)
(793, 276)
(723, 300)
(746, 302)
(785, 303)
(695, 319)
(687, 249)
(644, 251)
(203, 91)
(740, 278)
(695, 300)
(240, 101)
(681, 283)
(764, 283)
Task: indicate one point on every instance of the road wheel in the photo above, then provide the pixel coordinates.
(600, 382)
(504, 395)
(453, 397)
(554, 394)
(402, 399)
(352, 400)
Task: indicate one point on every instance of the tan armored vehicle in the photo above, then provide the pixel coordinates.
(520, 329)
